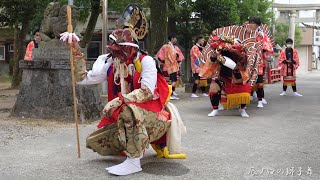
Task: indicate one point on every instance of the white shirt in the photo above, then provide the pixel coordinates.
(149, 73)
(98, 74)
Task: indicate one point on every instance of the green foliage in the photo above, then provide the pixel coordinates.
(282, 33)
(12, 62)
(297, 36)
(15, 10)
(84, 5)
(261, 8)
(19, 13)
(185, 28)
(181, 9)
(38, 16)
(217, 13)
(116, 5)
(113, 5)
(211, 14)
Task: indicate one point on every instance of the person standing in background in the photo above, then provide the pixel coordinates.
(169, 53)
(288, 63)
(33, 44)
(195, 66)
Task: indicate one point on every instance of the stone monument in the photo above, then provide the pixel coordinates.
(46, 87)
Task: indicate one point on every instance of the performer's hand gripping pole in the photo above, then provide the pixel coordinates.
(70, 29)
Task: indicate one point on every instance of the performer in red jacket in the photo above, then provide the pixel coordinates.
(137, 113)
(195, 52)
(288, 63)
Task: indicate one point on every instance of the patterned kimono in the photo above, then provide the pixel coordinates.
(195, 53)
(172, 56)
(139, 117)
(195, 62)
(28, 55)
(267, 51)
(288, 69)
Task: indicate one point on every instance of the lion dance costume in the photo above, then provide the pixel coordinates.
(231, 58)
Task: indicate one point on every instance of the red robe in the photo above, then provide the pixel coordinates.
(194, 56)
(28, 55)
(155, 105)
(268, 51)
(288, 69)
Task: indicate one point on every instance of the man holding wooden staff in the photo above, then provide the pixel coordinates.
(138, 112)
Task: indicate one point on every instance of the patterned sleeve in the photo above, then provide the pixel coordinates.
(281, 58)
(161, 53)
(296, 58)
(28, 55)
(179, 52)
(171, 54)
(194, 55)
(139, 95)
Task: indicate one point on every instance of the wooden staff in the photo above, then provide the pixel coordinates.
(70, 29)
(104, 40)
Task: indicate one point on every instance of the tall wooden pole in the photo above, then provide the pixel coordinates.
(104, 37)
(104, 25)
(70, 30)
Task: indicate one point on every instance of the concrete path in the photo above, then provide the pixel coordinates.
(280, 141)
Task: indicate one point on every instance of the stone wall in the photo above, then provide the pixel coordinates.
(46, 89)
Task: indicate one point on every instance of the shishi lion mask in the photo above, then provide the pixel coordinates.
(123, 45)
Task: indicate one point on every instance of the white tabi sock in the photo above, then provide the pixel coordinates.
(243, 113)
(260, 104)
(129, 166)
(213, 113)
(283, 93)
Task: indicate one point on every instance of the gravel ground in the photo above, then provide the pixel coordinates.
(17, 130)
(283, 135)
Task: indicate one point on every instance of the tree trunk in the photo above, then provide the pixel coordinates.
(15, 47)
(17, 73)
(159, 24)
(172, 19)
(187, 43)
(95, 11)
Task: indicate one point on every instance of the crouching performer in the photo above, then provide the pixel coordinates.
(137, 113)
